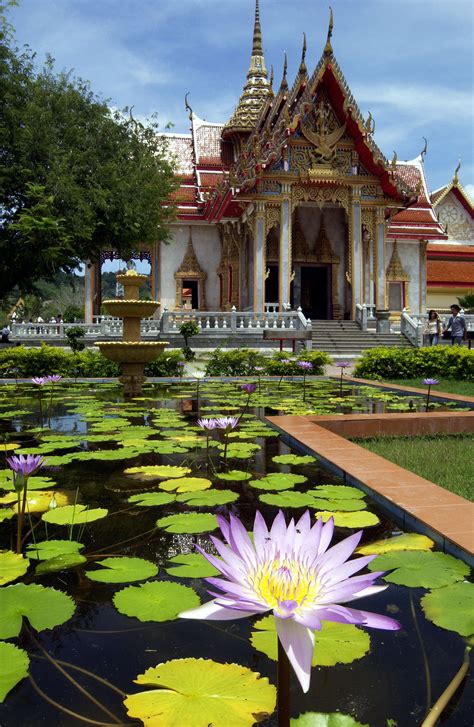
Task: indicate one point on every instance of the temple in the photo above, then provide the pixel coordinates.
(292, 204)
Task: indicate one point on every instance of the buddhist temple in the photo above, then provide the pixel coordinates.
(291, 203)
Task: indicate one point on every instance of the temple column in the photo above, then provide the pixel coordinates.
(155, 275)
(259, 258)
(380, 259)
(356, 249)
(97, 288)
(284, 266)
(422, 277)
(88, 291)
(371, 299)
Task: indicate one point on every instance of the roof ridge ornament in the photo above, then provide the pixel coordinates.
(188, 107)
(328, 47)
(284, 82)
(424, 151)
(257, 49)
(456, 171)
(303, 71)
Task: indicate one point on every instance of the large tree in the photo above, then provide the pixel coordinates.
(75, 177)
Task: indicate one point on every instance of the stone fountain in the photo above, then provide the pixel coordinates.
(132, 353)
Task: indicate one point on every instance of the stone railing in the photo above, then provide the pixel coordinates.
(365, 313)
(210, 322)
(421, 319)
(412, 328)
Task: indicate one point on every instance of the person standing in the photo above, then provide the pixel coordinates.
(5, 333)
(433, 327)
(457, 326)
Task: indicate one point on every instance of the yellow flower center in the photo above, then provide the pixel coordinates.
(277, 582)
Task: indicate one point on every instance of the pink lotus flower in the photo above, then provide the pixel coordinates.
(291, 571)
(39, 380)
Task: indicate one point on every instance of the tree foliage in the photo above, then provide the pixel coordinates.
(75, 176)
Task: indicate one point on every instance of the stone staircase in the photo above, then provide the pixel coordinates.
(344, 339)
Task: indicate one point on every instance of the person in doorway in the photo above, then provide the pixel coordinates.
(457, 326)
(5, 333)
(433, 327)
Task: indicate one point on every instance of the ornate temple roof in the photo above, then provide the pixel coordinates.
(256, 90)
(455, 186)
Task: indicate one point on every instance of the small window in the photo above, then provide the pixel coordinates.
(396, 296)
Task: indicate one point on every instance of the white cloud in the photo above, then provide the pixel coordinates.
(418, 102)
(469, 188)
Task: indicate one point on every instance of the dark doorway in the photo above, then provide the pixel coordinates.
(192, 285)
(271, 285)
(315, 292)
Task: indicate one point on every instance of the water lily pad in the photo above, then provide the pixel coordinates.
(189, 522)
(407, 541)
(121, 570)
(277, 481)
(74, 515)
(191, 565)
(416, 568)
(44, 608)
(34, 483)
(208, 498)
(234, 476)
(335, 644)
(151, 499)
(237, 450)
(325, 719)
(15, 664)
(451, 607)
(40, 500)
(186, 484)
(342, 505)
(8, 446)
(12, 566)
(359, 519)
(6, 513)
(161, 471)
(155, 600)
(201, 692)
(59, 563)
(287, 499)
(48, 549)
(337, 492)
(293, 459)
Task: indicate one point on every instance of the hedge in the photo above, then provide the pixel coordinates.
(242, 362)
(449, 362)
(21, 362)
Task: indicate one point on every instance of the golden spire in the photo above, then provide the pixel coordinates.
(257, 33)
(303, 70)
(328, 46)
(284, 82)
(456, 171)
(257, 88)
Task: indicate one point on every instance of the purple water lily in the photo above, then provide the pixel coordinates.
(25, 465)
(259, 369)
(39, 380)
(343, 364)
(227, 423)
(249, 388)
(305, 365)
(207, 424)
(53, 378)
(291, 571)
(429, 383)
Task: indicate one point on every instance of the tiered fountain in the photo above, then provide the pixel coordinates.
(132, 353)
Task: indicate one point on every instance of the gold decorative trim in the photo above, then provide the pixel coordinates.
(190, 269)
(321, 195)
(395, 271)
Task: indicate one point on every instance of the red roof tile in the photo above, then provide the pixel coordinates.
(440, 272)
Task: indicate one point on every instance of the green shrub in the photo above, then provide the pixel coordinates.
(74, 336)
(449, 362)
(276, 367)
(237, 362)
(165, 365)
(21, 362)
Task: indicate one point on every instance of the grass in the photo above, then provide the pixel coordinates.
(446, 460)
(450, 386)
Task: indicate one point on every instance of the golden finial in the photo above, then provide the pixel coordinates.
(188, 107)
(328, 46)
(393, 163)
(303, 70)
(284, 82)
(257, 33)
(271, 77)
(370, 124)
(455, 177)
(424, 151)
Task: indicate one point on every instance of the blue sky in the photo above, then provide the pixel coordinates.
(410, 62)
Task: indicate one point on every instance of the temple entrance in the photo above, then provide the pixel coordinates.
(191, 294)
(316, 291)
(271, 285)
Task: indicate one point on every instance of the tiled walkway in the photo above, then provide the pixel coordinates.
(427, 508)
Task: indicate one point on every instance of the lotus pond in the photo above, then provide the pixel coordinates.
(89, 627)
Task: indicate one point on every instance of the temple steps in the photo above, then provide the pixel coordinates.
(344, 338)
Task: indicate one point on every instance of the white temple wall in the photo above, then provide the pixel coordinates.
(409, 254)
(207, 247)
